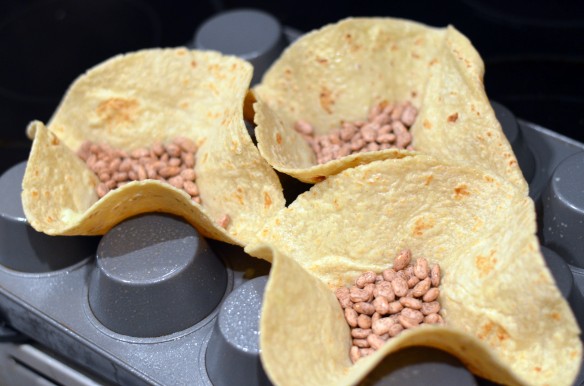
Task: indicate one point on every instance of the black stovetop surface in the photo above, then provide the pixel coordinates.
(533, 50)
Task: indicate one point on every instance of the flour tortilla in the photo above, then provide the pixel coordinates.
(505, 318)
(337, 73)
(132, 101)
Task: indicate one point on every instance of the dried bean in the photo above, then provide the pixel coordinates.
(430, 308)
(431, 295)
(413, 281)
(395, 307)
(361, 343)
(422, 288)
(176, 181)
(413, 314)
(399, 286)
(366, 351)
(364, 308)
(402, 260)
(433, 319)
(358, 294)
(395, 329)
(351, 316)
(102, 190)
(169, 171)
(375, 341)
(224, 221)
(343, 297)
(360, 333)
(389, 274)
(382, 325)
(408, 322)
(191, 188)
(364, 321)
(421, 268)
(381, 305)
(435, 275)
(365, 278)
(385, 290)
(413, 303)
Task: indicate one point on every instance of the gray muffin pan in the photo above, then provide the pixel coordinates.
(154, 303)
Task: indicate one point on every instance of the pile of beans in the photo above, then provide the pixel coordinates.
(172, 163)
(387, 126)
(380, 306)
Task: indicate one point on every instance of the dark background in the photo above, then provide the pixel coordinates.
(533, 50)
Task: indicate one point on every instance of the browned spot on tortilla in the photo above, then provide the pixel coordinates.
(453, 118)
(193, 63)
(394, 47)
(433, 62)
(336, 204)
(421, 226)
(288, 72)
(491, 329)
(49, 219)
(54, 140)
(239, 197)
(34, 193)
(428, 180)
(537, 369)
(181, 52)
(383, 104)
(279, 138)
(117, 111)
(322, 60)
(427, 124)
(419, 41)
(485, 264)
(488, 178)
(489, 134)
(556, 316)
(267, 199)
(326, 99)
(183, 105)
(461, 191)
(415, 55)
(512, 162)
(318, 178)
(414, 94)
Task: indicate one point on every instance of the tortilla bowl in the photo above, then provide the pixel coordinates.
(505, 319)
(337, 73)
(132, 101)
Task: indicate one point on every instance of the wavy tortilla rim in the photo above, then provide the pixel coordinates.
(505, 317)
(338, 72)
(132, 101)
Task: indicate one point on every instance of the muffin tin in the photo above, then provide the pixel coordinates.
(154, 303)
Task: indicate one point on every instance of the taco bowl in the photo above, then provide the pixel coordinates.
(132, 101)
(505, 319)
(338, 73)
